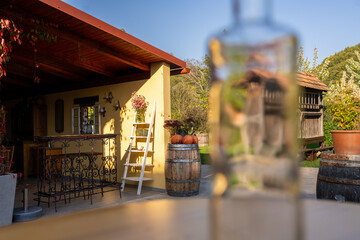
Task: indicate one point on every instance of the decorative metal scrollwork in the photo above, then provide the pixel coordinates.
(77, 172)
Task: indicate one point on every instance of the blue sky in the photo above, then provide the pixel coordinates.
(183, 27)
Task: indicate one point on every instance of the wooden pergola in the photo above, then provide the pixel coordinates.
(87, 53)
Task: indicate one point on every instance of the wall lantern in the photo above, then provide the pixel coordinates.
(108, 97)
(102, 111)
(117, 105)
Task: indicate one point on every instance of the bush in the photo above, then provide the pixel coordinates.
(343, 104)
(328, 126)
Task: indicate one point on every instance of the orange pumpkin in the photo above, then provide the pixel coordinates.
(176, 139)
(187, 139)
(195, 139)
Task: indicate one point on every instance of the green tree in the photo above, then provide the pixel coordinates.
(337, 63)
(302, 64)
(353, 67)
(320, 71)
(190, 93)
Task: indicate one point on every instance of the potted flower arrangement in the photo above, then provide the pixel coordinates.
(139, 104)
(343, 104)
(182, 132)
(7, 179)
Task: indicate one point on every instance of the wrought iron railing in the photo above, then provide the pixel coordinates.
(76, 166)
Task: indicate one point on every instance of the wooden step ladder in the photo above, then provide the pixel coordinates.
(130, 150)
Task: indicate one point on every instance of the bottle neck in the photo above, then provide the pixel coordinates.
(252, 11)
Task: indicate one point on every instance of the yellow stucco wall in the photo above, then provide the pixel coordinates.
(157, 88)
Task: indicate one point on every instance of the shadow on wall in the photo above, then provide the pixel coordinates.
(114, 123)
(139, 144)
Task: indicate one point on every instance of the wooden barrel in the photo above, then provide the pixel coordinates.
(183, 170)
(203, 139)
(339, 177)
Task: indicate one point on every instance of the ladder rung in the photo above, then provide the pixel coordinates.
(138, 165)
(141, 137)
(133, 149)
(136, 179)
(138, 151)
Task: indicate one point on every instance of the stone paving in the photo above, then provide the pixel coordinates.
(307, 178)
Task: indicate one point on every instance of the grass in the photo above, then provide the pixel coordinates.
(312, 164)
(205, 155)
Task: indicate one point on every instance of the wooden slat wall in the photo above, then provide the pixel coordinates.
(310, 114)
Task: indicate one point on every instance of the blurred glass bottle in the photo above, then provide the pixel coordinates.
(253, 128)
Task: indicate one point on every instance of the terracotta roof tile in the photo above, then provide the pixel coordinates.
(310, 81)
(303, 79)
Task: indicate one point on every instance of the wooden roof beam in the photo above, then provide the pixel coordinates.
(125, 77)
(28, 72)
(46, 67)
(16, 81)
(106, 51)
(85, 63)
(90, 20)
(66, 59)
(122, 58)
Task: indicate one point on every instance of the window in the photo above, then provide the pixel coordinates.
(86, 119)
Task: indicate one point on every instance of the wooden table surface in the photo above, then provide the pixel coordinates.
(175, 219)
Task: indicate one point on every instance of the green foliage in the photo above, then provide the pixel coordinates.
(343, 103)
(302, 64)
(234, 96)
(312, 164)
(328, 126)
(205, 155)
(187, 126)
(173, 126)
(320, 71)
(190, 93)
(337, 63)
(353, 67)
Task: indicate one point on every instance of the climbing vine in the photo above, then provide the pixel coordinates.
(9, 34)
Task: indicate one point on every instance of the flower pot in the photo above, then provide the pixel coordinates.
(140, 117)
(346, 141)
(7, 198)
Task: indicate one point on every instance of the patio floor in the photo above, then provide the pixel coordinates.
(109, 199)
(308, 187)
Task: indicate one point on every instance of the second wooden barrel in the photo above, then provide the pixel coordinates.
(183, 170)
(339, 177)
(203, 139)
